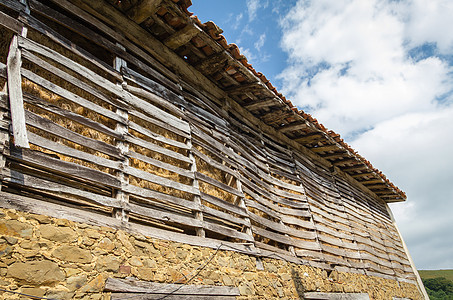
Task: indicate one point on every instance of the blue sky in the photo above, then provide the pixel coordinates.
(380, 73)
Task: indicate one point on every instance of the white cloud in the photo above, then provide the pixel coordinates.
(428, 21)
(252, 8)
(237, 21)
(260, 42)
(349, 65)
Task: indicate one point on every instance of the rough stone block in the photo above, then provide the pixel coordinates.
(36, 272)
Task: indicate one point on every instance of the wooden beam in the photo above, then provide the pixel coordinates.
(373, 181)
(324, 148)
(342, 161)
(376, 186)
(335, 155)
(136, 286)
(143, 10)
(336, 296)
(245, 87)
(212, 64)
(16, 101)
(362, 174)
(263, 104)
(293, 127)
(354, 168)
(182, 36)
(312, 137)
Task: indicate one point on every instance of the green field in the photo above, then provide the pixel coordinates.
(425, 274)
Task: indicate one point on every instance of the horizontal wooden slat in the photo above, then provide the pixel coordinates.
(72, 170)
(223, 204)
(156, 148)
(29, 181)
(71, 96)
(218, 184)
(160, 164)
(157, 137)
(46, 125)
(135, 286)
(71, 152)
(160, 180)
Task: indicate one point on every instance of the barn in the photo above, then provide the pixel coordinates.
(143, 157)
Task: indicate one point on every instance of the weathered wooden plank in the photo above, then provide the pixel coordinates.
(212, 64)
(156, 137)
(71, 152)
(273, 236)
(222, 215)
(265, 209)
(37, 25)
(207, 116)
(227, 231)
(223, 204)
(160, 164)
(293, 127)
(135, 296)
(51, 186)
(155, 99)
(159, 123)
(182, 36)
(282, 228)
(160, 180)
(156, 148)
(16, 101)
(71, 79)
(22, 203)
(60, 131)
(156, 112)
(71, 116)
(117, 36)
(150, 194)
(98, 39)
(2, 70)
(143, 10)
(71, 96)
(135, 286)
(170, 93)
(296, 221)
(336, 296)
(72, 170)
(10, 23)
(214, 163)
(13, 4)
(165, 216)
(220, 185)
(263, 104)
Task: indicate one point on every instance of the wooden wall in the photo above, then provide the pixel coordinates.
(107, 128)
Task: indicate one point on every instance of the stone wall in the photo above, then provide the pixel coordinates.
(61, 259)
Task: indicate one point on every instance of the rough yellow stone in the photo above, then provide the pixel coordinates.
(71, 253)
(39, 272)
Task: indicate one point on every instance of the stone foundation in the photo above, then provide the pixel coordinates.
(61, 259)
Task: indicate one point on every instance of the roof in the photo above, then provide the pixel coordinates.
(204, 47)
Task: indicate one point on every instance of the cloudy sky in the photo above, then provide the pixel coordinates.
(380, 73)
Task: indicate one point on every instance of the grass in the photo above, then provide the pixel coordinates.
(426, 274)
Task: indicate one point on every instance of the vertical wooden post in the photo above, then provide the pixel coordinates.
(16, 102)
(4, 125)
(123, 129)
(242, 204)
(196, 198)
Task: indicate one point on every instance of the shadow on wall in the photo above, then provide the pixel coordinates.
(297, 283)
